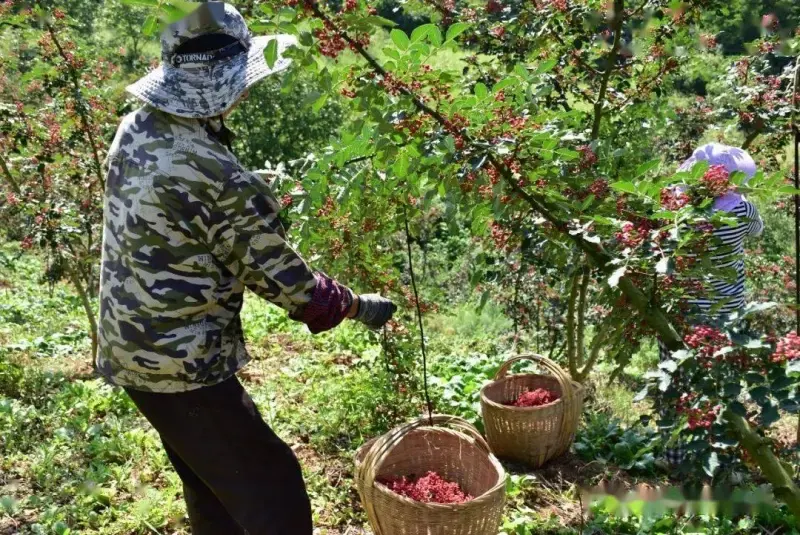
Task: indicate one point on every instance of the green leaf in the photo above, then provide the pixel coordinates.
(175, 10)
(481, 91)
(732, 390)
(567, 155)
(788, 190)
(546, 66)
(647, 167)
(759, 393)
(456, 29)
(320, 102)
(626, 187)
(392, 52)
(150, 3)
(435, 36)
(505, 82)
(738, 409)
(311, 98)
(271, 53)
(375, 20)
(150, 25)
(711, 464)
(769, 415)
(663, 265)
(484, 300)
(613, 280)
(400, 39)
(421, 32)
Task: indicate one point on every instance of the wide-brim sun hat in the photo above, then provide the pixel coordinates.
(204, 83)
(733, 159)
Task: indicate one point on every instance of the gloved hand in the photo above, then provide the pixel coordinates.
(374, 311)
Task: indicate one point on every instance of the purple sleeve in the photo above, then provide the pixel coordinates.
(328, 307)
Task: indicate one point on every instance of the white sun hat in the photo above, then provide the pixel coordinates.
(208, 60)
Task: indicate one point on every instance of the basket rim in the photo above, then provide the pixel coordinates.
(577, 387)
(487, 496)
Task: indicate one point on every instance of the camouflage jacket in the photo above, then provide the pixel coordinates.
(186, 230)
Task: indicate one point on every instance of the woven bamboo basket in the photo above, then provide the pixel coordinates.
(531, 435)
(451, 447)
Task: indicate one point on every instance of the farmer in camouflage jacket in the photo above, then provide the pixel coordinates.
(187, 229)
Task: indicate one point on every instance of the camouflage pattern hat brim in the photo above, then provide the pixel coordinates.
(209, 90)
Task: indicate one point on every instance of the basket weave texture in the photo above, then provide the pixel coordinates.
(452, 448)
(531, 435)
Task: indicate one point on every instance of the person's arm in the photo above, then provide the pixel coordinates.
(756, 225)
(245, 235)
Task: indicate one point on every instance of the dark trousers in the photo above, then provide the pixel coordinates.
(238, 476)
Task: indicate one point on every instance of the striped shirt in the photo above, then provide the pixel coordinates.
(725, 287)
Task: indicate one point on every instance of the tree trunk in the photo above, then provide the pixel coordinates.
(580, 334)
(783, 485)
(571, 335)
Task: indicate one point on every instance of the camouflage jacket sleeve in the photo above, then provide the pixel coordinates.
(245, 234)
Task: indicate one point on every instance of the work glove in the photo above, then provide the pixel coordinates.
(374, 311)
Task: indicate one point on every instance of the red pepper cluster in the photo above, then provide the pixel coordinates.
(599, 188)
(588, 157)
(706, 340)
(633, 235)
(535, 398)
(430, 488)
(699, 417)
(788, 348)
(716, 181)
(672, 199)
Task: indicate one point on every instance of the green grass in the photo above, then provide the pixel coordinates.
(75, 456)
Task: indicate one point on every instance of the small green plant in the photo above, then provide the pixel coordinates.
(606, 440)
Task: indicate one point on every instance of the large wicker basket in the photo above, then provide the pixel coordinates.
(458, 453)
(531, 435)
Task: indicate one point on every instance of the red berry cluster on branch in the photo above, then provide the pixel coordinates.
(706, 340)
(588, 157)
(788, 349)
(672, 199)
(715, 181)
(331, 42)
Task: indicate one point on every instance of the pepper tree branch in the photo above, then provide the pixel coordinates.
(9, 178)
(653, 315)
(87, 305)
(616, 27)
(570, 323)
(782, 483)
(581, 326)
(82, 112)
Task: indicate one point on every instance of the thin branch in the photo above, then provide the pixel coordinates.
(616, 26)
(87, 306)
(750, 138)
(653, 315)
(82, 112)
(647, 83)
(598, 342)
(9, 178)
(581, 327)
(555, 35)
(571, 351)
